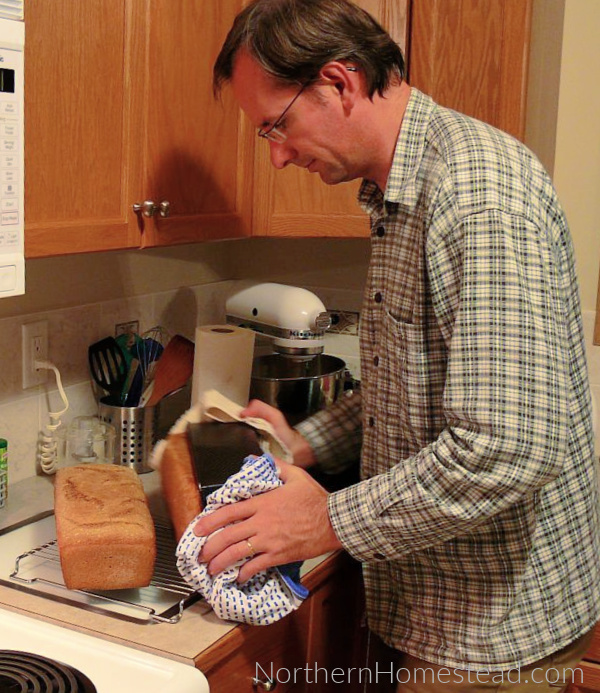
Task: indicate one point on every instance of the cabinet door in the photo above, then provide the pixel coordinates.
(336, 651)
(472, 56)
(78, 126)
(276, 653)
(586, 679)
(291, 202)
(194, 146)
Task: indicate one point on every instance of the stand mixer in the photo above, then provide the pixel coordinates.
(298, 378)
(295, 318)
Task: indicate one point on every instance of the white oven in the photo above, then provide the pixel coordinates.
(42, 657)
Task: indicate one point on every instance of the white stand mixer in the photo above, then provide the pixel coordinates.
(298, 379)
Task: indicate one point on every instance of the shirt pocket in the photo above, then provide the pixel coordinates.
(416, 366)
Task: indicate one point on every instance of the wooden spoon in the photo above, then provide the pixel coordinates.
(173, 370)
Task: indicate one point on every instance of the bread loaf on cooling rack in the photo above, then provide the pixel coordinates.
(179, 484)
(106, 537)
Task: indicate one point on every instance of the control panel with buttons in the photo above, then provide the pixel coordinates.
(12, 218)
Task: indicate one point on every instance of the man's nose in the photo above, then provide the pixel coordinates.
(281, 153)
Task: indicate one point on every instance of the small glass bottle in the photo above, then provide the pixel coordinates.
(3, 472)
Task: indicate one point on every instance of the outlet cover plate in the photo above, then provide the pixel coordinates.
(34, 338)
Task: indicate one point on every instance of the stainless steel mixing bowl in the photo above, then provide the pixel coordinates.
(298, 386)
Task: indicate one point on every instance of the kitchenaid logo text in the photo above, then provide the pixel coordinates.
(314, 674)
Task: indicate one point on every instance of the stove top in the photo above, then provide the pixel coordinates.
(106, 666)
(24, 671)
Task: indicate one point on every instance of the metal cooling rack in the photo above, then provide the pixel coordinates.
(163, 601)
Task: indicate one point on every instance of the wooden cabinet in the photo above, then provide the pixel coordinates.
(588, 681)
(301, 651)
(119, 109)
(472, 56)
(591, 679)
(194, 146)
(292, 202)
(77, 122)
(268, 653)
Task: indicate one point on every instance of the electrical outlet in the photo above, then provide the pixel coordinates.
(34, 337)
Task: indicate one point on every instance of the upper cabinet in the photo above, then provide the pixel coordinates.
(119, 110)
(194, 145)
(77, 122)
(292, 202)
(472, 56)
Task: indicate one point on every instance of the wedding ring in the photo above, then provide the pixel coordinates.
(251, 549)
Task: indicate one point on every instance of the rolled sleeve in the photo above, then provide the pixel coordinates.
(335, 434)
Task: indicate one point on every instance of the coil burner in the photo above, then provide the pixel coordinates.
(23, 672)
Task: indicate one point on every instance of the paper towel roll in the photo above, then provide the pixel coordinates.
(223, 362)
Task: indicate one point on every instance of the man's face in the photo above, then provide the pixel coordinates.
(315, 125)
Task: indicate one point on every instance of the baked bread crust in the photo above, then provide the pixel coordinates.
(106, 536)
(178, 480)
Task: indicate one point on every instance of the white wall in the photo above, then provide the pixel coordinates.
(577, 158)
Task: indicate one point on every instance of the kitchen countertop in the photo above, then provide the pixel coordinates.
(197, 629)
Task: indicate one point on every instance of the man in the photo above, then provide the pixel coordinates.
(476, 519)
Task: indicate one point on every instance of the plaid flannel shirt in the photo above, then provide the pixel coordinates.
(477, 515)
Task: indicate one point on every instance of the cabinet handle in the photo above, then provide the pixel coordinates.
(148, 208)
(266, 685)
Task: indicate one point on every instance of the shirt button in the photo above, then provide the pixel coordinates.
(380, 231)
(371, 421)
(376, 361)
(379, 556)
(378, 297)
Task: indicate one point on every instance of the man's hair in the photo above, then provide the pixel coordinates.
(293, 39)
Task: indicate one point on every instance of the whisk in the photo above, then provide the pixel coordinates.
(150, 350)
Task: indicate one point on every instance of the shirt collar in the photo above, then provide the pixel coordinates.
(401, 185)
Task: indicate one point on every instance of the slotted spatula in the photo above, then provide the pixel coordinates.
(173, 370)
(108, 367)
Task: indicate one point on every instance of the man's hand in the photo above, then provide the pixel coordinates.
(301, 451)
(287, 524)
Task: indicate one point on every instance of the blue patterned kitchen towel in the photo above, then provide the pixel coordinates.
(269, 595)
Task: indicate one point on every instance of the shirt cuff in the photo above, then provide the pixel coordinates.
(357, 522)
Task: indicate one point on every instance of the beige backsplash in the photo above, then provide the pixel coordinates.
(23, 414)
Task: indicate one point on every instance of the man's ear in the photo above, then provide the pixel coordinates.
(346, 82)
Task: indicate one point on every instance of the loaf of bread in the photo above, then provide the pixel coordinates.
(198, 462)
(106, 537)
(178, 481)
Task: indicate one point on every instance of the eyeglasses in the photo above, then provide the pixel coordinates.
(274, 133)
